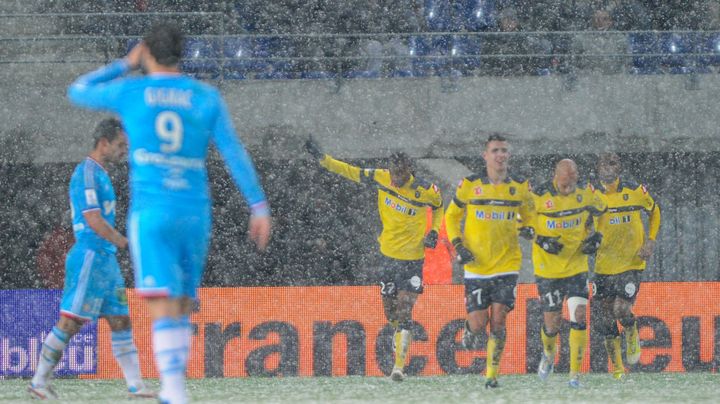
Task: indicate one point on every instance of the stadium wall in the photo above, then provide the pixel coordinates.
(336, 331)
(426, 117)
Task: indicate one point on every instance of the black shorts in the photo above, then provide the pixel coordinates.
(554, 291)
(625, 285)
(481, 293)
(400, 275)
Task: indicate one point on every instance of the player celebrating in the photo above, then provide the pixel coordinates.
(402, 199)
(488, 248)
(170, 120)
(563, 242)
(94, 286)
(622, 257)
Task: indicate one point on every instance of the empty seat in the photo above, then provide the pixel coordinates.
(477, 15)
(437, 15)
(465, 52)
(645, 50)
(677, 50)
(200, 57)
(430, 54)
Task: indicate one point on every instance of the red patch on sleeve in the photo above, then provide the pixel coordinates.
(435, 188)
(644, 190)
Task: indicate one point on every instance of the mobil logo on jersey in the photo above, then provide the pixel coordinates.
(26, 317)
(393, 204)
(493, 215)
(563, 224)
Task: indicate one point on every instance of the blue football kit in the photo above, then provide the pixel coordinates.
(170, 120)
(94, 285)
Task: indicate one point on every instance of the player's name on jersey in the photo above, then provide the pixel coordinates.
(142, 156)
(168, 97)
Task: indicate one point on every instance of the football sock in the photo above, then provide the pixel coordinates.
(403, 338)
(126, 355)
(549, 343)
(50, 354)
(578, 340)
(614, 351)
(495, 347)
(170, 344)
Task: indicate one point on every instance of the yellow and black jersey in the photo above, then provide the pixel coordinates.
(567, 217)
(622, 227)
(402, 209)
(491, 213)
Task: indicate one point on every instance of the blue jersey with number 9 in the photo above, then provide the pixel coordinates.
(170, 120)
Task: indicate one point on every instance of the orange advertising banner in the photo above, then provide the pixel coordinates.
(323, 331)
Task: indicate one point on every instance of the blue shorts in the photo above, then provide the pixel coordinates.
(94, 286)
(169, 248)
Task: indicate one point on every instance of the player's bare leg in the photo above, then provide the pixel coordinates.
(623, 312)
(50, 355)
(475, 328)
(171, 344)
(403, 335)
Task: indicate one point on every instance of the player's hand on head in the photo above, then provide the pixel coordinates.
(134, 57)
(259, 230)
(431, 239)
(550, 245)
(313, 148)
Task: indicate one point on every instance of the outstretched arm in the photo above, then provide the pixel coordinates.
(342, 168)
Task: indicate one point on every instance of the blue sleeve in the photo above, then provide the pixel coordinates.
(238, 161)
(96, 90)
(85, 192)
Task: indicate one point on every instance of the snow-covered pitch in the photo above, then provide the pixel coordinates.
(597, 388)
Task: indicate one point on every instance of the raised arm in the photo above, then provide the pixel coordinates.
(97, 90)
(341, 168)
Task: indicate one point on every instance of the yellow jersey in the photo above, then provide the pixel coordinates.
(569, 218)
(402, 209)
(622, 227)
(491, 213)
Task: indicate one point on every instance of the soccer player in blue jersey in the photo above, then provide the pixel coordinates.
(94, 286)
(170, 120)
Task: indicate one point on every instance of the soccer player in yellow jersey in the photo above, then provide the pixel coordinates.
(402, 203)
(488, 248)
(563, 215)
(621, 257)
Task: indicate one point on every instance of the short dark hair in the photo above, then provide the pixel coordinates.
(108, 129)
(402, 160)
(165, 43)
(495, 137)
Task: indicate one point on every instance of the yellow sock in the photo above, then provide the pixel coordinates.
(549, 343)
(402, 343)
(578, 339)
(495, 347)
(614, 351)
(633, 334)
